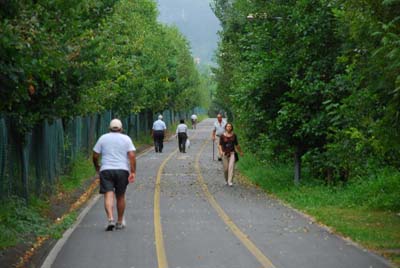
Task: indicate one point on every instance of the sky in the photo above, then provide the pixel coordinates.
(196, 20)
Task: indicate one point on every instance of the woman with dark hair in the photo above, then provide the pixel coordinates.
(181, 132)
(228, 144)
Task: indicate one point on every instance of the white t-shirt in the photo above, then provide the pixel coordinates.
(181, 128)
(219, 128)
(159, 125)
(114, 148)
(193, 117)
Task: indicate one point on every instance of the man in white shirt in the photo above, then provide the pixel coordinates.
(117, 170)
(181, 132)
(194, 121)
(158, 133)
(218, 130)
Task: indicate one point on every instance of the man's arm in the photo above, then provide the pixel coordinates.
(132, 162)
(152, 130)
(221, 152)
(95, 159)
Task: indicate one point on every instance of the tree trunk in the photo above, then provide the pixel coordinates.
(137, 116)
(24, 165)
(297, 167)
(147, 114)
(92, 132)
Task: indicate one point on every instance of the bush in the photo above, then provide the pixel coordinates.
(380, 191)
(18, 221)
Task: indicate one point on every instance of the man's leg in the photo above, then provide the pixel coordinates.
(120, 189)
(180, 142)
(109, 204)
(161, 142)
(217, 144)
(184, 144)
(107, 189)
(121, 207)
(158, 141)
(155, 142)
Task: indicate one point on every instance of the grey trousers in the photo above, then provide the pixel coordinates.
(229, 166)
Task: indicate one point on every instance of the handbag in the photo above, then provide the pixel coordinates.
(187, 143)
(236, 157)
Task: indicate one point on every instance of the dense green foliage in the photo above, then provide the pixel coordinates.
(23, 220)
(375, 192)
(59, 59)
(20, 223)
(317, 79)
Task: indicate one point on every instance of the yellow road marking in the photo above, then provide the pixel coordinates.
(160, 248)
(264, 261)
(161, 256)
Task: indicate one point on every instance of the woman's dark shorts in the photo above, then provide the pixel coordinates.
(114, 180)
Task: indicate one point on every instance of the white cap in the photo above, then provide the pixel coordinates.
(115, 124)
(160, 117)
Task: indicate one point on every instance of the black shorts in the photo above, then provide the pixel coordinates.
(114, 180)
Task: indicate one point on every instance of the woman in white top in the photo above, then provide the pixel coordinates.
(194, 121)
(181, 132)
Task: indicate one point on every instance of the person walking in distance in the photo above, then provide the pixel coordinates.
(181, 132)
(228, 145)
(194, 121)
(158, 133)
(117, 170)
(218, 130)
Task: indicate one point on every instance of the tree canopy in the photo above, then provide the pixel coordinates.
(59, 59)
(316, 79)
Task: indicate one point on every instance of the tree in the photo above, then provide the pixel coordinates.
(314, 78)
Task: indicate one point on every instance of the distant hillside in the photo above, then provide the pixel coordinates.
(196, 21)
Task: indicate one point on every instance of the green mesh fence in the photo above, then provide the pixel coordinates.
(33, 164)
(3, 152)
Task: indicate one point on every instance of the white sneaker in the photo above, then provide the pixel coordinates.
(110, 225)
(230, 184)
(122, 225)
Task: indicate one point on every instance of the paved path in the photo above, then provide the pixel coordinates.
(181, 214)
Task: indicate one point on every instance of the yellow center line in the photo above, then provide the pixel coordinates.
(161, 256)
(160, 248)
(264, 261)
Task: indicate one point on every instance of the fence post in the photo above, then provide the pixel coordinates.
(24, 165)
(92, 128)
(137, 125)
(3, 152)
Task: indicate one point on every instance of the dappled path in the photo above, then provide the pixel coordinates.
(181, 214)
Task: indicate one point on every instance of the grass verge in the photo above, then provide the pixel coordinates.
(22, 223)
(81, 170)
(366, 211)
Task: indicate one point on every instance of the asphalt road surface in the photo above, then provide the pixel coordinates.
(180, 214)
